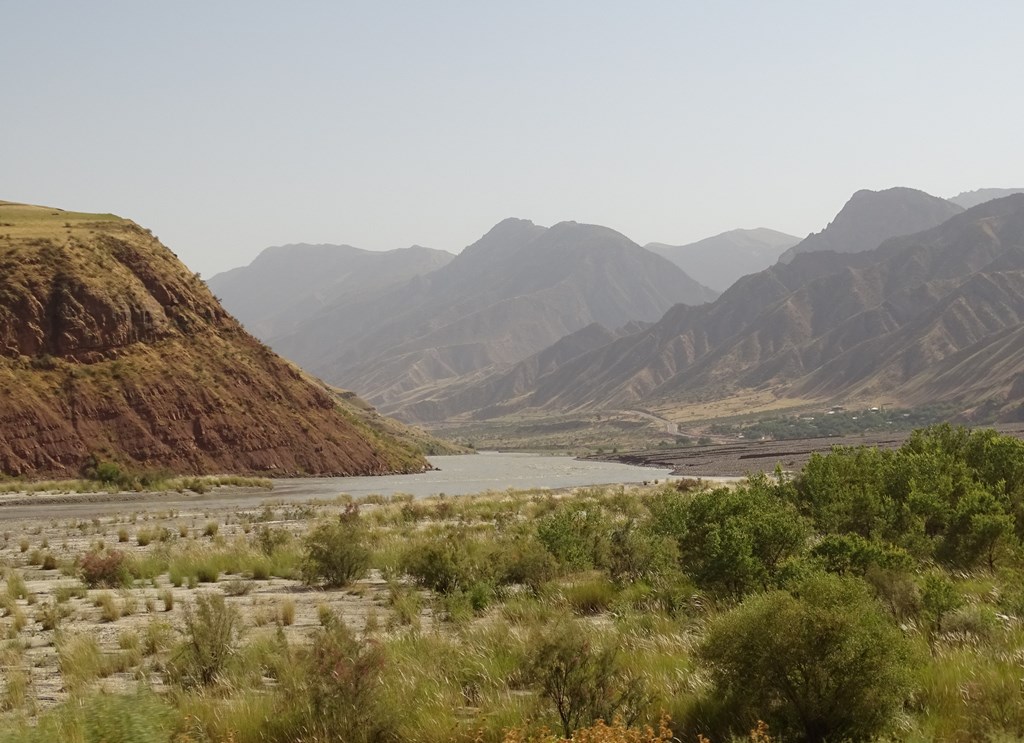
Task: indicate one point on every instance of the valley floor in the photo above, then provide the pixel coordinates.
(739, 458)
(501, 617)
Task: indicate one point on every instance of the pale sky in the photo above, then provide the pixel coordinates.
(226, 127)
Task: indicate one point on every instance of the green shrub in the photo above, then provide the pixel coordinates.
(268, 539)
(261, 569)
(585, 681)
(852, 554)
(731, 542)
(238, 587)
(157, 636)
(819, 662)
(939, 598)
(66, 592)
(334, 551)
(577, 534)
(167, 597)
(50, 615)
(440, 564)
(211, 638)
(526, 561)
(286, 613)
(638, 554)
(79, 659)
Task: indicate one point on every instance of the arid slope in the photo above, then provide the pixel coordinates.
(110, 347)
(926, 317)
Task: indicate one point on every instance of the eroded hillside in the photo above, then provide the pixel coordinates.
(110, 347)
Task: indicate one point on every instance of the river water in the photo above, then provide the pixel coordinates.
(463, 474)
(454, 475)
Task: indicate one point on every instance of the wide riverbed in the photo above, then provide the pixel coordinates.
(475, 473)
(455, 475)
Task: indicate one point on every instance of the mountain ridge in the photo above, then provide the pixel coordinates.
(871, 217)
(286, 284)
(718, 261)
(513, 292)
(825, 325)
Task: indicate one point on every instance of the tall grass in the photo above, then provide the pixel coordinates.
(100, 718)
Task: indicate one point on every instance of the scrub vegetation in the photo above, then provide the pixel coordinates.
(876, 595)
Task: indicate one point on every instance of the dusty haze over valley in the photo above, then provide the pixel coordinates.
(578, 372)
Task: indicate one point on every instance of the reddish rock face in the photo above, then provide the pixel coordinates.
(110, 347)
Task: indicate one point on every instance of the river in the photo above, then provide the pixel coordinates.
(454, 475)
(463, 474)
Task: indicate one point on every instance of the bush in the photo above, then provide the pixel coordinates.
(340, 688)
(602, 732)
(211, 637)
(820, 662)
(439, 564)
(526, 562)
(334, 551)
(269, 540)
(939, 598)
(577, 534)
(852, 554)
(108, 472)
(637, 554)
(49, 615)
(731, 542)
(101, 569)
(16, 588)
(585, 681)
(167, 597)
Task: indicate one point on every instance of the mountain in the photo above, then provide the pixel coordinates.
(717, 262)
(287, 284)
(967, 199)
(110, 347)
(931, 316)
(871, 217)
(477, 393)
(514, 292)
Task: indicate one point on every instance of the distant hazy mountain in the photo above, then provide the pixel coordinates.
(871, 217)
(718, 261)
(930, 316)
(287, 284)
(967, 199)
(479, 392)
(514, 292)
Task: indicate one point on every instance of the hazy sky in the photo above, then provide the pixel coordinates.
(230, 126)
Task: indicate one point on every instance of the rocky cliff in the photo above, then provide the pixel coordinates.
(110, 347)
